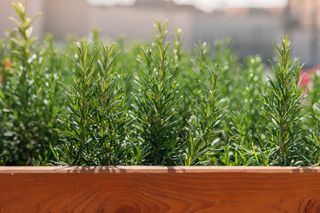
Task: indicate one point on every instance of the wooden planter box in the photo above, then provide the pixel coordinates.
(159, 189)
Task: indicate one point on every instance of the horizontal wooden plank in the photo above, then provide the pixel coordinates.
(155, 169)
(159, 189)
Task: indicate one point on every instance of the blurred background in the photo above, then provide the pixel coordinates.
(252, 24)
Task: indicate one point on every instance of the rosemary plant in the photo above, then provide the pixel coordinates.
(151, 104)
(156, 100)
(312, 109)
(77, 125)
(112, 113)
(203, 125)
(283, 108)
(93, 129)
(247, 124)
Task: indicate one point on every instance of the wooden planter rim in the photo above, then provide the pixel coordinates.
(154, 169)
(159, 189)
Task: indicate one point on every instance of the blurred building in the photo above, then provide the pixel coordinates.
(306, 12)
(253, 24)
(307, 16)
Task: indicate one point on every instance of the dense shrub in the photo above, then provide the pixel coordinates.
(93, 102)
(29, 95)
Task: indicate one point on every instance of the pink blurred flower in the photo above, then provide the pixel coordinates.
(306, 76)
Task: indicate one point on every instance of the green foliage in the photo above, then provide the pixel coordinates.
(312, 110)
(204, 123)
(283, 108)
(29, 96)
(156, 100)
(247, 124)
(152, 103)
(93, 129)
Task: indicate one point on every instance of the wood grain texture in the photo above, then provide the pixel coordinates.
(159, 189)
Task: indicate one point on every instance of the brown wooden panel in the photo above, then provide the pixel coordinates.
(159, 189)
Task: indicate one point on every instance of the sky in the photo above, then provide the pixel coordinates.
(205, 5)
(211, 5)
(111, 2)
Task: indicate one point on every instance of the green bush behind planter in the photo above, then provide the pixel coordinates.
(93, 102)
